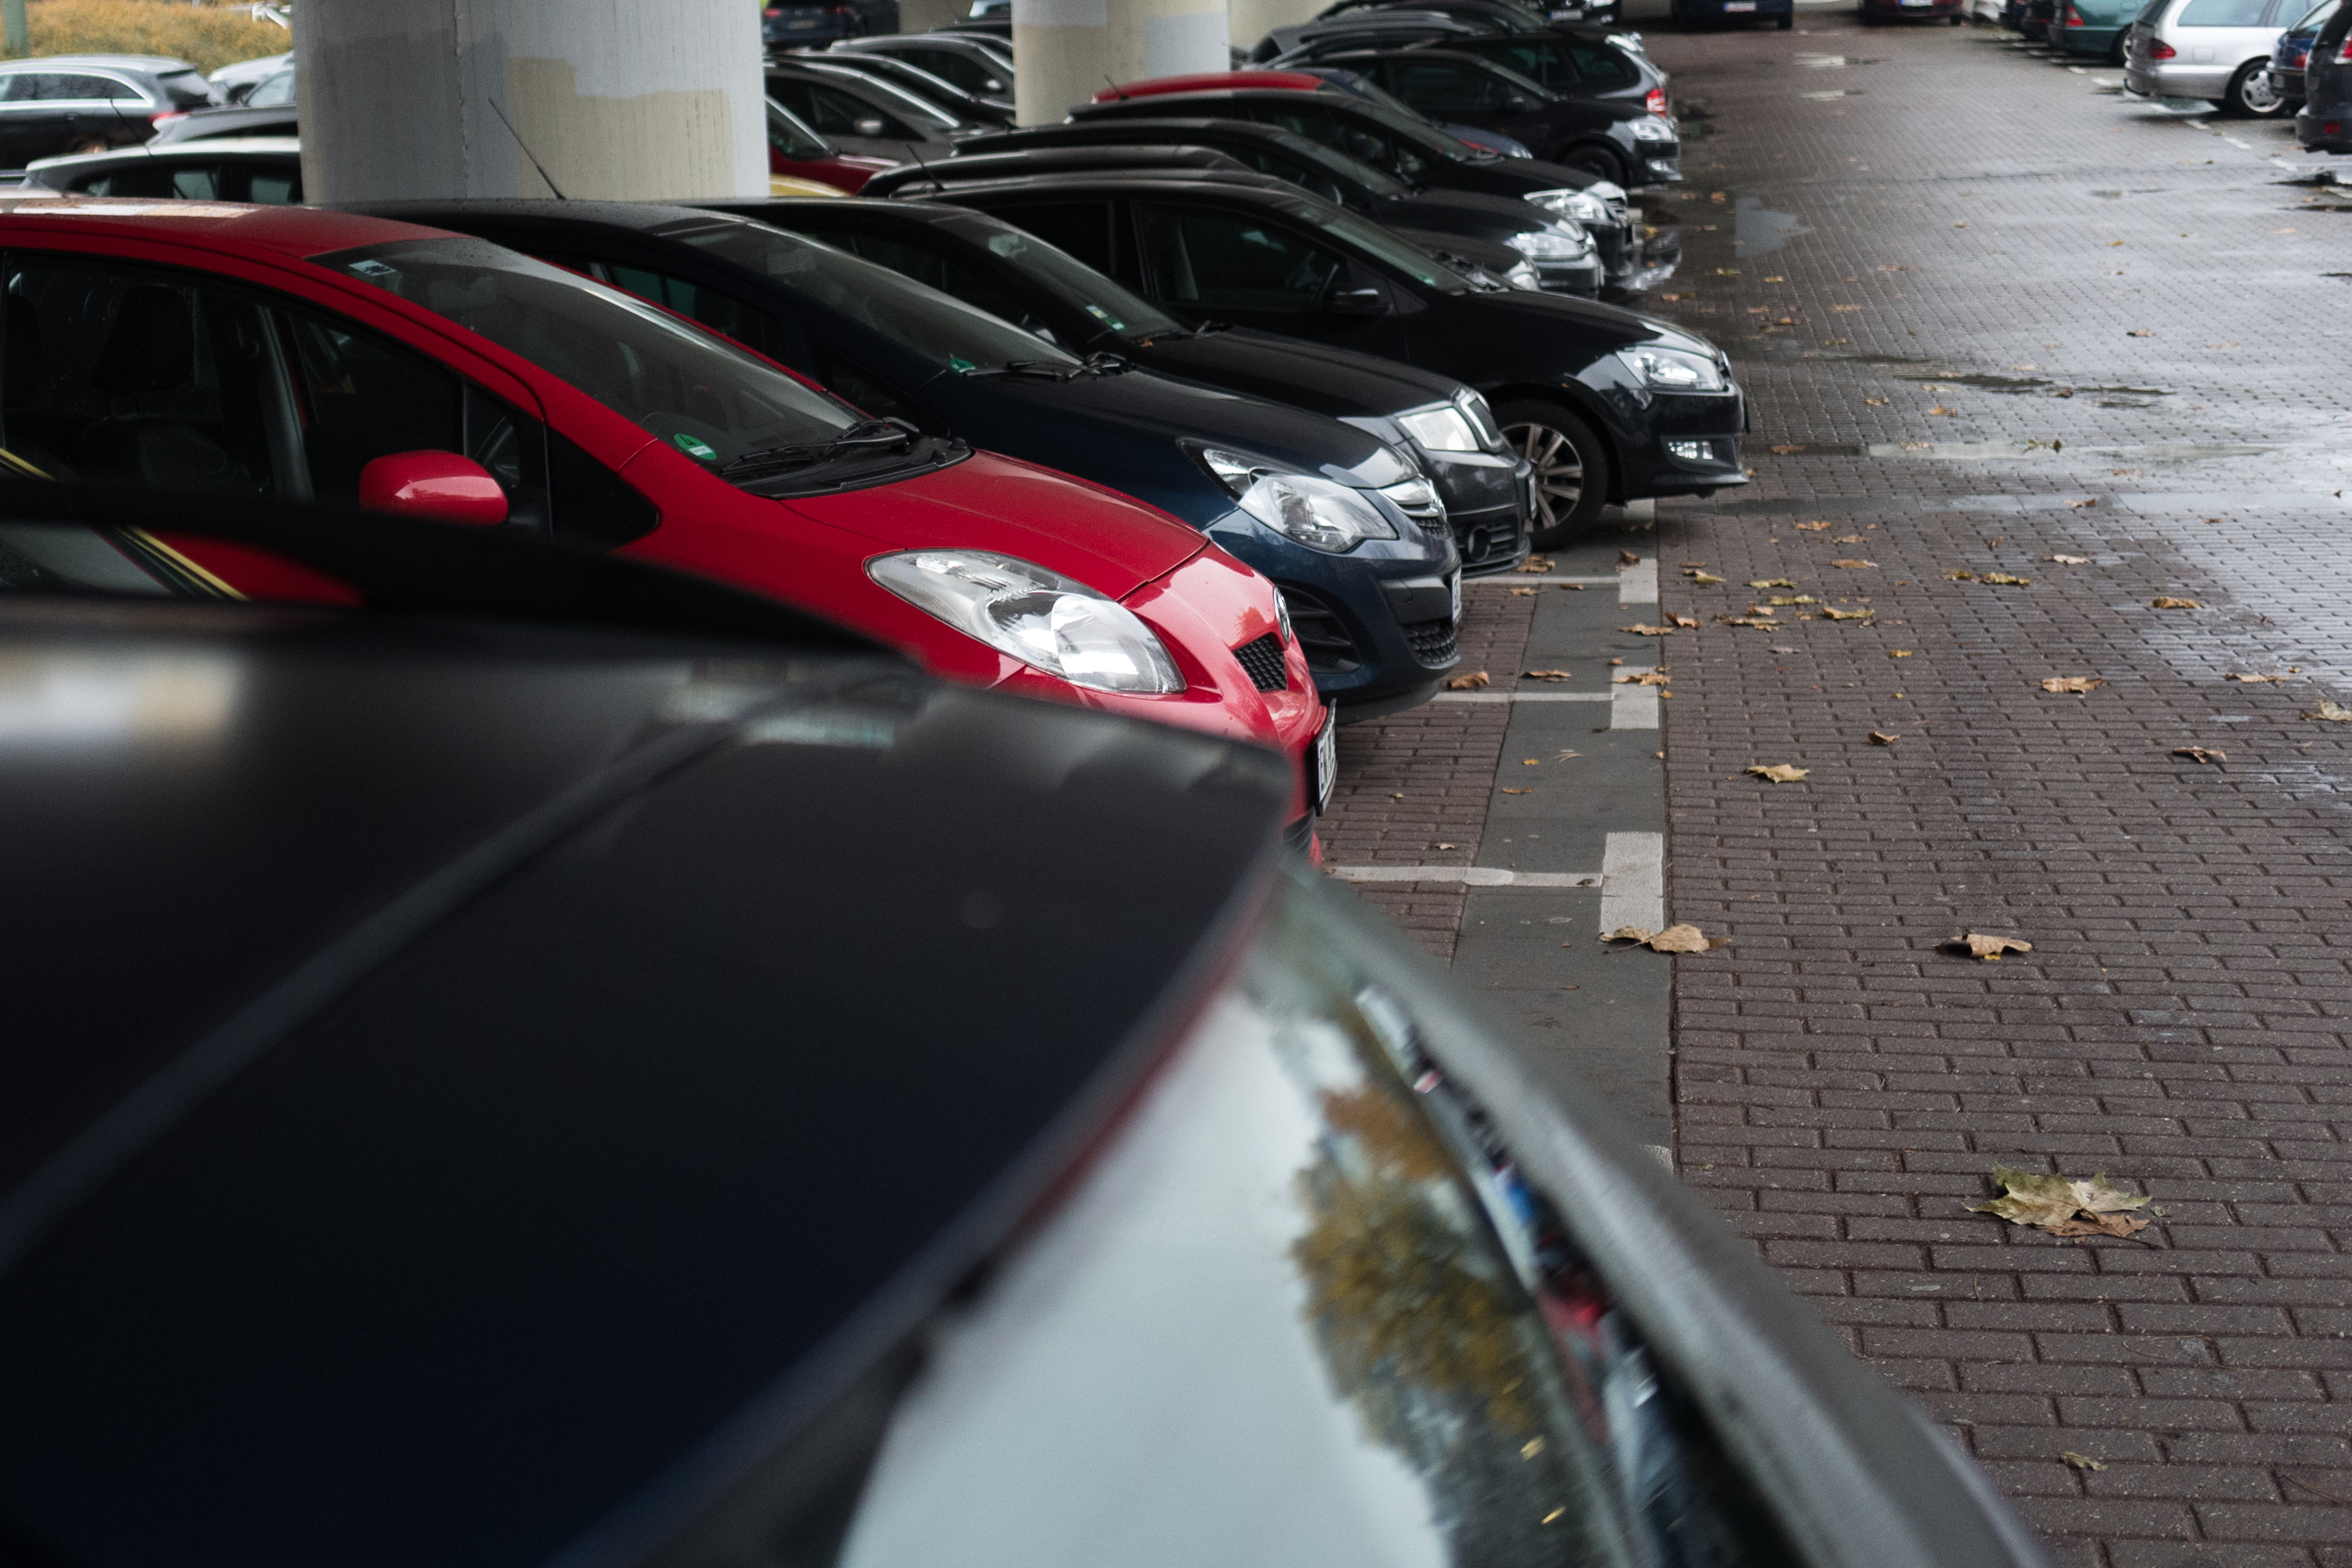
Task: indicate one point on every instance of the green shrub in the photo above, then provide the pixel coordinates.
(207, 37)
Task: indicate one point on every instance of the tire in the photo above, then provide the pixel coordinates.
(1571, 467)
(1958, 20)
(2251, 96)
(1600, 163)
(2119, 49)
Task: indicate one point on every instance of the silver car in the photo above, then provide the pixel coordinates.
(2219, 50)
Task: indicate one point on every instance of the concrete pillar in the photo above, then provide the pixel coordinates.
(1067, 49)
(922, 16)
(1253, 19)
(531, 97)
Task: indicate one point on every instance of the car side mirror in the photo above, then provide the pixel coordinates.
(869, 126)
(1357, 302)
(439, 487)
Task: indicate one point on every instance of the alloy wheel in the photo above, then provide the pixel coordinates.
(1560, 471)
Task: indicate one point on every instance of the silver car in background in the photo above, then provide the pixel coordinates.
(2219, 50)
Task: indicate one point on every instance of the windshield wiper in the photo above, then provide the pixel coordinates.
(1184, 333)
(866, 435)
(1056, 369)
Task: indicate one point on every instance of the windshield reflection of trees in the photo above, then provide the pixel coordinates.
(1476, 1343)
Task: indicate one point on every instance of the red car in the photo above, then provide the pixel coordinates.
(1209, 81)
(794, 150)
(306, 355)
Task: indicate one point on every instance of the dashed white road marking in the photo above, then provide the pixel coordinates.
(1639, 584)
(1475, 876)
(1522, 697)
(1634, 882)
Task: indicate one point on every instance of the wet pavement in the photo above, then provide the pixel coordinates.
(1990, 314)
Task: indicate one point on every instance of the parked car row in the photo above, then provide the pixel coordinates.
(2258, 59)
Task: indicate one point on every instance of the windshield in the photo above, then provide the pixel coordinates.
(1380, 245)
(916, 110)
(1072, 280)
(2317, 18)
(788, 138)
(1409, 124)
(713, 401)
(943, 329)
(1379, 181)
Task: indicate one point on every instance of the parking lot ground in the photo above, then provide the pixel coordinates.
(1990, 314)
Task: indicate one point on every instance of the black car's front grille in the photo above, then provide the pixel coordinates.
(1432, 642)
(1322, 635)
(1261, 659)
(1488, 539)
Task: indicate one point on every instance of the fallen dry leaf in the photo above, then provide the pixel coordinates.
(1852, 565)
(2332, 711)
(1784, 450)
(1769, 583)
(1898, 653)
(1548, 675)
(1672, 939)
(1471, 682)
(2164, 602)
(1530, 762)
(2078, 685)
(2136, 332)
(2255, 680)
(2080, 1461)
(1649, 631)
(1848, 538)
(1959, 577)
(1949, 413)
(1780, 772)
(1877, 401)
(1616, 662)
(1990, 948)
(1880, 738)
(1784, 600)
(1641, 678)
(2078, 505)
(1831, 613)
(1535, 563)
(2062, 1206)
(2006, 580)
(1627, 558)
(1523, 592)
(1704, 578)
(1528, 791)
(2072, 560)
(2200, 753)
(1812, 527)
(1683, 621)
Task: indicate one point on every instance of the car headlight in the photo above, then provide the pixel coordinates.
(1558, 242)
(1319, 513)
(1650, 127)
(1523, 276)
(1475, 409)
(1418, 498)
(1444, 428)
(1674, 370)
(1608, 191)
(1585, 206)
(1039, 617)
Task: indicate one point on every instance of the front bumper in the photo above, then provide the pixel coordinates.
(1581, 278)
(2142, 79)
(1684, 444)
(1488, 501)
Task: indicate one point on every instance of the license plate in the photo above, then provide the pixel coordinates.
(1326, 761)
(1740, 5)
(1453, 584)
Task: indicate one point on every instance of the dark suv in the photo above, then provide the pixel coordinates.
(87, 104)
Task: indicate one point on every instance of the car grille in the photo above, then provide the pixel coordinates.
(1432, 642)
(1261, 659)
(1322, 635)
(1488, 539)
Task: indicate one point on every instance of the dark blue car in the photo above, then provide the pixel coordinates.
(1349, 527)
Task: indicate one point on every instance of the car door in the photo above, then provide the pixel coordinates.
(33, 117)
(98, 110)
(1247, 268)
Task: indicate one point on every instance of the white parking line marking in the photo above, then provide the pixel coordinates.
(1664, 1155)
(1634, 882)
(1631, 706)
(1522, 697)
(1510, 580)
(1639, 584)
(1474, 875)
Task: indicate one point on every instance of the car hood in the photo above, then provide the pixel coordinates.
(1098, 536)
(1337, 382)
(1606, 327)
(1463, 212)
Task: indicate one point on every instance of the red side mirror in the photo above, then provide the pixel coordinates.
(439, 486)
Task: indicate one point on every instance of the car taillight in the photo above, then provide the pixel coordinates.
(2344, 54)
(167, 115)
(1656, 103)
(2158, 49)
(2073, 18)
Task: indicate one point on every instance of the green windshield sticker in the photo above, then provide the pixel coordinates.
(1099, 314)
(695, 447)
(957, 364)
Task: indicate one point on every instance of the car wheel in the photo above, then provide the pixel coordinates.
(1598, 161)
(2252, 95)
(1571, 466)
(2117, 51)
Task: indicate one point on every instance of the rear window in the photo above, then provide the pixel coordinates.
(2222, 13)
(2316, 17)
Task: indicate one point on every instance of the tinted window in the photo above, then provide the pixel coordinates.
(1082, 286)
(2316, 17)
(1080, 228)
(2222, 13)
(959, 69)
(722, 312)
(942, 272)
(1439, 87)
(944, 330)
(78, 86)
(1211, 260)
(196, 181)
(709, 398)
(788, 138)
(1370, 238)
(274, 187)
(275, 93)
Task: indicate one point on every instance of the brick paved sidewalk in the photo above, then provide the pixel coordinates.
(1844, 1086)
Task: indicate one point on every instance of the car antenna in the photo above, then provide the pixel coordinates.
(524, 145)
(926, 168)
(1115, 93)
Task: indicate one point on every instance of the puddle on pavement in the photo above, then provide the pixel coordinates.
(2030, 386)
(1833, 62)
(1761, 231)
(1831, 97)
(2166, 452)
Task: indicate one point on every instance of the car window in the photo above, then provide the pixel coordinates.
(710, 400)
(188, 89)
(1081, 229)
(944, 272)
(147, 377)
(1443, 86)
(1366, 237)
(80, 87)
(275, 93)
(719, 311)
(943, 329)
(960, 68)
(274, 187)
(195, 182)
(1211, 260)
(911, 108)
(2222, 13)
(789, 139)
(2316, 17)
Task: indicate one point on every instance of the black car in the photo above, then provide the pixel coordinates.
(2324, 123)
(1567, 64)
(1551, 235)
(1046, 290)
(978, 64)
(1591, 16)
(265, 169)
(87, 104)
(1342, 522)
(2292, 51)
(1610, 406)
(789, 25)
(858, 114)
(1621, 142)
(967, 108)
(604, 1096)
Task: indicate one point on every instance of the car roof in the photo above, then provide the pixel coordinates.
(161, 65)
(290, 232)
(1245, 186)
(204, 146)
